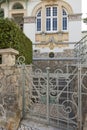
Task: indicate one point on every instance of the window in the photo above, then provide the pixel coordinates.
(51, 19)
(38, 21)
(1, 13)
(64, 19)
(17, 6)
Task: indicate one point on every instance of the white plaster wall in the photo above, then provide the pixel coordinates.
(76, 5)
(29, 30)
(75, 26)
(31, 5)
(74, 31)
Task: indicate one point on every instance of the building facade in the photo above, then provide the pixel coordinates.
(52, 25)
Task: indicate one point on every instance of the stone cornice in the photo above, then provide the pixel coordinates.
(30, 19)
(75, 17)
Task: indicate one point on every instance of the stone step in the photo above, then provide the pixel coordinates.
(28, 124)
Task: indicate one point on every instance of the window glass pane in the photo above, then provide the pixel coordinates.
(48, 11)
(38, 24)
(65, 23)
(51, 18)
(39, 14)
(54, 23)
(39, 21)
(64, 12)
(54, 11)
(64, 19)
(48, 24)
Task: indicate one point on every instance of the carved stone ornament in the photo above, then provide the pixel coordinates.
(48, 0)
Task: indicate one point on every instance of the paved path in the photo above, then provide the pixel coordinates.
(30, 125)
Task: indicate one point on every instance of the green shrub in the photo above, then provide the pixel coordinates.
(11, 36)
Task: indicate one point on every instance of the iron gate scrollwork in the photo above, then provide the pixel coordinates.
(56, 98)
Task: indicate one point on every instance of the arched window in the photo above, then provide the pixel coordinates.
(1, 13)
(64, 20)
(38, 20)
(51, 18)
(17, 6)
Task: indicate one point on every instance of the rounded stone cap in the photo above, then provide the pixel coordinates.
(9, 50)
(8, 56)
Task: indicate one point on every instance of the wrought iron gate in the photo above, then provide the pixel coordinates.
(56, 98)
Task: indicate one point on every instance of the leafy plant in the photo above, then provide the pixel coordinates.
(11, 36)
(85, 20)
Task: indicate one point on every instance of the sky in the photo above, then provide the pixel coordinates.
(84, 13)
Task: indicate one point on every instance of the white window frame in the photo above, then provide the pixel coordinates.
(64, 16)
(51, 17)
(39, 17)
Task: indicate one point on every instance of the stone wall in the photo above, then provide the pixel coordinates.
(42, 60)
(10, 89)
(10, 110)
(11, 95)
(12, 84)
(65, 53)
(12, 81)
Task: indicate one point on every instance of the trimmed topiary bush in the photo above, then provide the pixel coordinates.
(11, 36)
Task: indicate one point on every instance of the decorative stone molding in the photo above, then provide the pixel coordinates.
(48, 0)
(58, 36)
(29, 19)
(8, 56)
(59, 3)
(74, 17)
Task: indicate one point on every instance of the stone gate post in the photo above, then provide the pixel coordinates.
(7, 56)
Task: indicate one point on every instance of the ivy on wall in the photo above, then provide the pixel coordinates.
(12, 36)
